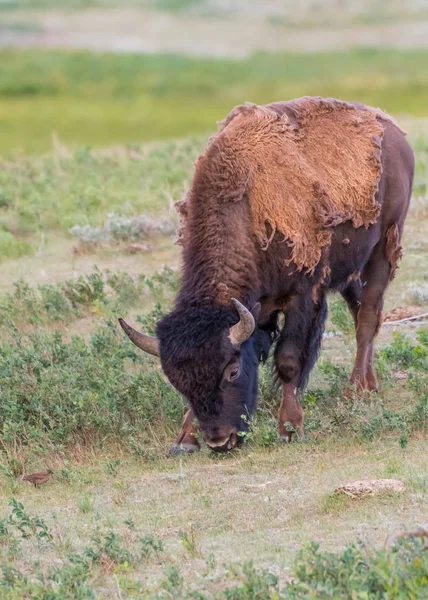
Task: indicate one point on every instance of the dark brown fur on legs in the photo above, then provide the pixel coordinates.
(287, 361)
(291, 412)
(186, 441)
(296, 352)
(352, 295)
(376, 275)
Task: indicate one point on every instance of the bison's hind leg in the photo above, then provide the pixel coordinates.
(352, 295)
(367, 304)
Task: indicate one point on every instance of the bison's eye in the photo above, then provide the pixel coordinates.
(231, 372)
(234, 374)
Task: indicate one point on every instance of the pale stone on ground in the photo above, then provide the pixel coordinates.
(359, 489)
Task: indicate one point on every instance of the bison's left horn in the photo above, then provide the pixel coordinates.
(242, 330)
(141, 340)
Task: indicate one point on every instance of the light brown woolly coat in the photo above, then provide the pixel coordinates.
(306, 166)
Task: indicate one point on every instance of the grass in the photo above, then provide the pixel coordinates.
(96, 294)
(82, 188)
(182, 524)
(99, 99)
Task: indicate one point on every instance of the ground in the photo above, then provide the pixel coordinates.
(246, 27)
(261, 505)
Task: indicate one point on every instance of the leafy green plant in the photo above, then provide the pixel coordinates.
(404, 353)
(173, 583)
(112, 467)
(60, 392)
(189, 540)
(357, 572)
(28, 526)
(397, 572)
(150, 546)
(10, 247)
(68, 300)
(84, 504)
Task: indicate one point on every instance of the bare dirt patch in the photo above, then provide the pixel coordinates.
(359, 489)
(149, 31)
(403, 312)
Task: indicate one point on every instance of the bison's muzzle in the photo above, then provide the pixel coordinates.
(222, 440)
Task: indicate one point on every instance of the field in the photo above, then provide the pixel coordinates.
(47, 96)
(86, 235)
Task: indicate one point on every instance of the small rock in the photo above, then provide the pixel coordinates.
(402, 312)
(359, 489)
(258, 485)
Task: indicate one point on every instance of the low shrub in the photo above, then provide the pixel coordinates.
(70, 299)
(357, 573)
(418, 293)
(117, 228)
(10, 247)
(56, 393)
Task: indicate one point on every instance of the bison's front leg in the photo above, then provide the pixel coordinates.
(186, 441)
(295, 355)
(290, 411)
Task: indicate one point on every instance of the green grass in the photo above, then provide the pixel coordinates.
(99, 99)
(52, 194)
(397, 573)
(59, 191)
(177, 529)
(96, 294)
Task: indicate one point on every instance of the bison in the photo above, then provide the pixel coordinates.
(289, 201)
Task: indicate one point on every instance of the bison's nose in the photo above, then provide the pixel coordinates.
(221, 442)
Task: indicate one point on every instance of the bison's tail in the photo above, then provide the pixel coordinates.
(313, 340)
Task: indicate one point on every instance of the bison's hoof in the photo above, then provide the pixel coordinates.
(288, 435)
(300, 434)
(183, 449)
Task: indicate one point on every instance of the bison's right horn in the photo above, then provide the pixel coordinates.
(240, 332)
(141, 340)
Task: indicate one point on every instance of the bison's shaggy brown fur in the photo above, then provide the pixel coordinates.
(306, 166)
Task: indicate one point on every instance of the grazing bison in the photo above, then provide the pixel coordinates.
(289, 200)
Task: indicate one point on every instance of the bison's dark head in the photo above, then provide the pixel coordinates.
(211, 355)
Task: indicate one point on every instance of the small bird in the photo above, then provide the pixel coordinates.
(38, 478)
